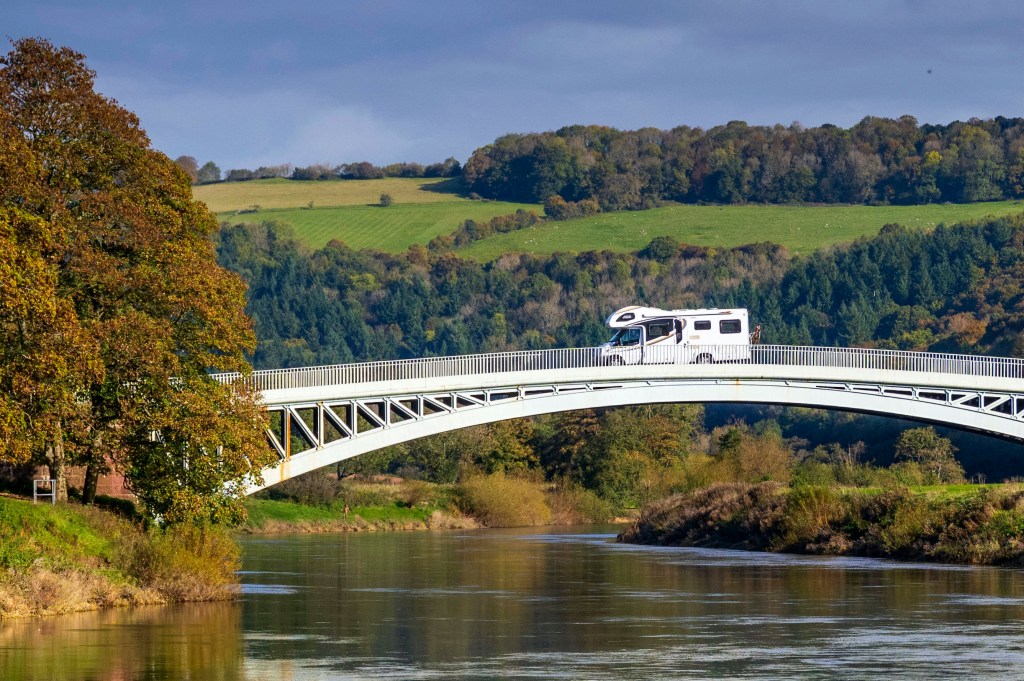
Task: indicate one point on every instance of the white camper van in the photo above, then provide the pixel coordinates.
(648, 335)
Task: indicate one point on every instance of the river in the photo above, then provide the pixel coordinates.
(544, 604)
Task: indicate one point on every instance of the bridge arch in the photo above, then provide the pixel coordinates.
(342, 411)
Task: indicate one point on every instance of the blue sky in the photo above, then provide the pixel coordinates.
(259, 83)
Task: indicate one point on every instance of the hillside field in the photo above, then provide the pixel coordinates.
(801, 229)
(426, 208)
(227, 197)
(348, 210)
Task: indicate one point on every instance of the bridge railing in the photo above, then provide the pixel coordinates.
(571, 358)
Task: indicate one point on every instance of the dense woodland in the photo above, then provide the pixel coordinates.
(879, 160)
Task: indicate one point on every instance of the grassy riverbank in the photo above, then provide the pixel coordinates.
(319, 503)
(981, 526)
(69, 558)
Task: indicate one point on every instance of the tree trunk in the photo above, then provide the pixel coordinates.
(55, 462)
(94, 467)
(92, 476)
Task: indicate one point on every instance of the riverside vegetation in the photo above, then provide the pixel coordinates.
(63, 558)
(980, 526)
(319, 502)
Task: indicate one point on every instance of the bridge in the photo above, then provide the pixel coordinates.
(323, 415)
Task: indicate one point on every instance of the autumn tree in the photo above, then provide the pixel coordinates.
(141, 310)
(189, 166)
(45, 354)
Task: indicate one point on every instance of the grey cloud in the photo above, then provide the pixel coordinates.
(250, 83)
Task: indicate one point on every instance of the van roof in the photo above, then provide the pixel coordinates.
(635, 313)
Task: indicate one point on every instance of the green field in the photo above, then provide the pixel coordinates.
(801, 229)
(226, 197)
(425, 208)
(391, 229)
(347, 209)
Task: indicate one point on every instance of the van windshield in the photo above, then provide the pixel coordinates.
(626, 337)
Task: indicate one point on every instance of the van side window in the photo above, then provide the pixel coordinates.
(730, 326)
(702, 325)
(658, 329)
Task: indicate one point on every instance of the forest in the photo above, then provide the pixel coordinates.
(878, 160)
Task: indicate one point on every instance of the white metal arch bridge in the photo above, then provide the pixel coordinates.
(322, 415)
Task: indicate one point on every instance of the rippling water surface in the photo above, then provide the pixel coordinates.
(560, 604)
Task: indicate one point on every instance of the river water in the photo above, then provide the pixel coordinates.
(545, 604)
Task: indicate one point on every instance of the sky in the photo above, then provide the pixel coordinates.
(251, 83)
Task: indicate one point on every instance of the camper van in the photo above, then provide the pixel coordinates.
(648, 335)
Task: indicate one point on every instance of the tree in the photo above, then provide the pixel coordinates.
(124, 270)
(45, 354)
(189, 166)
(385, 200)
(208, 173)
(932, 452)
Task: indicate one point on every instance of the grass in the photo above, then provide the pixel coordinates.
(228, 197)
(801, 229)
(68, 558)
(347, 210)
(392, 229)
(266, 511)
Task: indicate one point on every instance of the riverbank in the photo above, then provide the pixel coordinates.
(320, 503)
(267, 516)
(69, 558)
(979, 526)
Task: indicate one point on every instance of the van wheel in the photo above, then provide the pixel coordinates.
(705, 359)
(616, 361)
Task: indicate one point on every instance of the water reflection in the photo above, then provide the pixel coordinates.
(492, 604)
(192, 641)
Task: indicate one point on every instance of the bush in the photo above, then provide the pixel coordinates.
(183, 562)
(574, 505)
(500, 501)
(809, 515)
(386, 200)
(729, 515)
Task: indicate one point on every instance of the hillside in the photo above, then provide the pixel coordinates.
(800, 229)
(228, 197)
(349, 210)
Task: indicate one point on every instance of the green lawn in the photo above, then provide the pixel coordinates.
(262, 511)
(800, 228)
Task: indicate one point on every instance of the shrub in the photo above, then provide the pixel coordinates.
(574, 505)
(415, 493)
(809, 515)
(500, 501)
(734, 515)
(183, 562)
(386, 200)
